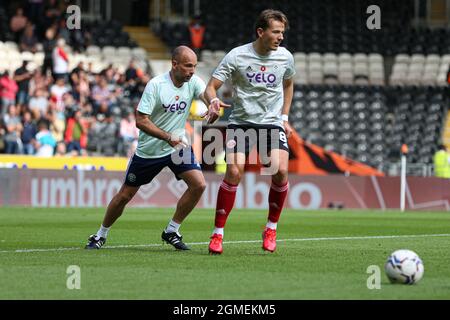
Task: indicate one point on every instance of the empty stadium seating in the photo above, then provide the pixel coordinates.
(369, 124)
(419, 69)
(334, 26)
(343, 68)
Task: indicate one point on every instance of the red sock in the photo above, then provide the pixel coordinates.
(277, 195)
(225, 202)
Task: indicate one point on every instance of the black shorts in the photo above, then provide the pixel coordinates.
(242, 138)
(142, 170)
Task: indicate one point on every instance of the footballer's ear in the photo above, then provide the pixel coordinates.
(260, 32)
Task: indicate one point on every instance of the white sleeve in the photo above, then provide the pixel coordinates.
(149, 99)
(199, 87)
(226, 67)
(290, 70)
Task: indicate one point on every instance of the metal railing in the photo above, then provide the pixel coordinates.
(412, 169)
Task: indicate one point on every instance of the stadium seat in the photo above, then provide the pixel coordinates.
(355, 123)
(93, 50)
(139, 53)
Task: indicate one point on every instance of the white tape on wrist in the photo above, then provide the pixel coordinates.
(213, 100)
(284, 117)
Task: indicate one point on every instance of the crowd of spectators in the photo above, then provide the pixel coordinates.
(30, 25)
(52, 110)
(87, 114)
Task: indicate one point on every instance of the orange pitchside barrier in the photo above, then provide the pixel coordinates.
(310, 159)
(314, 160)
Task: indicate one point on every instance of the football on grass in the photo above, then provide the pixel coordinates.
(404, 266)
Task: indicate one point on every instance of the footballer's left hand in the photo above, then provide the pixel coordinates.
(287, 128)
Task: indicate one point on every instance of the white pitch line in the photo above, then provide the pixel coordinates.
(234, 242)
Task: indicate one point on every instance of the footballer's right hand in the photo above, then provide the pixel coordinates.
(214, 110)
(176, 141)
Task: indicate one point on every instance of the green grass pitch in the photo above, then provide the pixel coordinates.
(320, 255)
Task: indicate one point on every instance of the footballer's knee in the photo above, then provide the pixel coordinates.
(124, 197)
(281, 176)
(233, 175)
(198, 187)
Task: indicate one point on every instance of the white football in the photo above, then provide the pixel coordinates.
(404, 266)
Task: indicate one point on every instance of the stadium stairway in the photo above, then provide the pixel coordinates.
(438, 12)
(144, 37)
(446, 132)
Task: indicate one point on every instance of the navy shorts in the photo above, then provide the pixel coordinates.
(242, 138)
(142, 170)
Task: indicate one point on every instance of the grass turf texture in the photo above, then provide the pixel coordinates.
(306, 269)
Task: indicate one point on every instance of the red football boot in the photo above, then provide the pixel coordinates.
(215, 245)
(269, 239)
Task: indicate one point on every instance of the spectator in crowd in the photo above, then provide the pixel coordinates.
(101, 94)
(197, 31)
(79, 39)
(8, 91)
(57, 92)
(13, 126)
(87, 111)
(75, 135)
(131, 71)
(22, 76)
(82, 90)
(56, 125)
(18, 23)
(39, 103)
(28, 133)
(63, 32)
(129, 134)
(448, 76)
(36, 10)
(103, 135)
(80, 83)
(143, 79)
(74, 77)
(48, 44)
(79, 68)
(60, 60)
(45, 143)
(441, 160)
(52, 13)
(39, 81)
(70, 105)
(28, 40)
(111, 76)
(61, 150)
(108, 143)
(2, 136)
